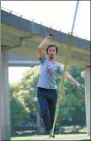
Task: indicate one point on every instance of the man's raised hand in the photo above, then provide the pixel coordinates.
(50, 35)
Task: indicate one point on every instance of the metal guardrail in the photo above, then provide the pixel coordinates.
(15, 13)
(33, 20)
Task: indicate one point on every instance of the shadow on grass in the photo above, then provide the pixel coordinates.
(33, 133)
(24, 134)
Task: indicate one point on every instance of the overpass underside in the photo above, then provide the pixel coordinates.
(23, 39)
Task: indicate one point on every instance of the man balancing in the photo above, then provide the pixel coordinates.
(50, 71)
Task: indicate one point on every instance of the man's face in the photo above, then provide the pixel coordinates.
(52, 52)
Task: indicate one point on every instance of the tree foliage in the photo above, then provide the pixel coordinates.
(24, 101)
(72, 108)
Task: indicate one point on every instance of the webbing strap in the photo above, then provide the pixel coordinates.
(61, 86)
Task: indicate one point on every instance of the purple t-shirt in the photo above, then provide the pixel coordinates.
(50, 72)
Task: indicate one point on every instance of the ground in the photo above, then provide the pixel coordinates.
(57, 137)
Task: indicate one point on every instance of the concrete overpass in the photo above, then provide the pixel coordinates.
(21, 61)
(21, 37)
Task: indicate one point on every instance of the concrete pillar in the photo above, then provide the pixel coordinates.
(5, 97)
(87, 98)
(0, 92)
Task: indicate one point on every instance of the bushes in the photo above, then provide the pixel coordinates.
(18, 113)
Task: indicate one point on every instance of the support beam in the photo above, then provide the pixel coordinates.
(87, 99)
(5, 97)
(9, 39)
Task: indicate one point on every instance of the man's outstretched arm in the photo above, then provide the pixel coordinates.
(43, 44)
(71, 79)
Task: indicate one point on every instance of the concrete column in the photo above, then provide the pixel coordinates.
(5, 96)
(0, 92)
(87, 98)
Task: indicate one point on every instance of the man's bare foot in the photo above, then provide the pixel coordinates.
(51, 135)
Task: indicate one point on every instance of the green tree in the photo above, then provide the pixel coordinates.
(18, 113)
(23, 97)
(72, 105)
(72, 108)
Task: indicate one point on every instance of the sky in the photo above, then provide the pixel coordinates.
(56, 14)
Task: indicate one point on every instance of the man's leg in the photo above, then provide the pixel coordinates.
(44, 109)
(52, 106)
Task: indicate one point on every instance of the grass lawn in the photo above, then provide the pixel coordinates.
(57, 137)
